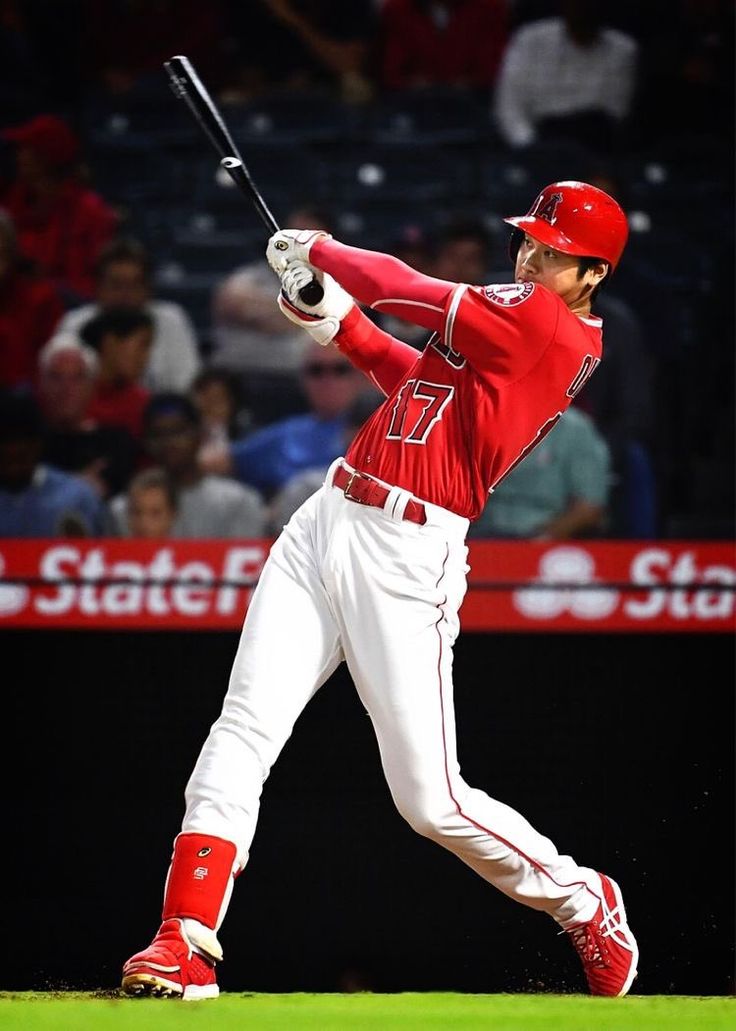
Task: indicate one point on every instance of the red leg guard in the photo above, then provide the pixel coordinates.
(199, 876)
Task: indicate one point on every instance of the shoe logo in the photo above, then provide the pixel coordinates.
(200, 873)
(203, 852)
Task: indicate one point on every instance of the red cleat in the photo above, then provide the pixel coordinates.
(606, 946)
(170, 967)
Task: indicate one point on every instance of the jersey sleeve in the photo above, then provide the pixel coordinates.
(502, 330)
(383, 358)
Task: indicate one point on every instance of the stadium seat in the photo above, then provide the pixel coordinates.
(290, 118)
(283, 175)
(433, 115)
(406, 172)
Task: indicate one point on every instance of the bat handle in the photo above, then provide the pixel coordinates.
(312, 293)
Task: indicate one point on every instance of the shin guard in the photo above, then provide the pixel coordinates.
(200, 878)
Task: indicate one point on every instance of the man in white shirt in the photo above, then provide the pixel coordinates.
(565, 69)
(123, 277)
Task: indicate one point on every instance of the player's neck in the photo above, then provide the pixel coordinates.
(581, 308)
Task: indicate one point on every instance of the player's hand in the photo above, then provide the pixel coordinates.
(288, 245)
(321, 321)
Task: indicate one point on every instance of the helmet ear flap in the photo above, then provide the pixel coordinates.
(515, 243)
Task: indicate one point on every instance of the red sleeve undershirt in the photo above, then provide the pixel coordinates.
(383, 358)
(387, 285)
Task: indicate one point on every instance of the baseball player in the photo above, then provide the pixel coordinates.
(371, 570)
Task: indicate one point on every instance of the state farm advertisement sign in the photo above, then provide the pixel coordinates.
(206, 585)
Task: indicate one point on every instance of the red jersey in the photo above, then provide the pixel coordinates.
(63, 238)
(120, 405)
(504, 364)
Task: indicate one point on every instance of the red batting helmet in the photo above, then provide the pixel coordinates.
(576, 218)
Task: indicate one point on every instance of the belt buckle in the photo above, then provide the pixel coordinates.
(354, 474)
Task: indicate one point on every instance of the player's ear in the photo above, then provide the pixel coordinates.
(602, 269)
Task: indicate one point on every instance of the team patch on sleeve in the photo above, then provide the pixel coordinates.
(507, 295)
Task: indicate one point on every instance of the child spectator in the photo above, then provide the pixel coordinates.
(152, 505)
(122, 339)
(209, 506)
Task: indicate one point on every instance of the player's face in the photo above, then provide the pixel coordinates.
(537, 262)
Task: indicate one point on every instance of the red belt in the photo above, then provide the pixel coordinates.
(366, 491)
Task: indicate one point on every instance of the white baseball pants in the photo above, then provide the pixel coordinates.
(349, 582)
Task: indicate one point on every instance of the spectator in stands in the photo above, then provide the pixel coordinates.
(152, 504)
(123, 277)
(456, 43)
(216, 393)
(62, 224)
(268, 457)
(250, 338)
(465, 252)
(37, 500)
(127, 41)
(30, 308)
(559, 492)
(568, 76)
(318, 45)
(209, 505)
(122, 339)
(303, 484)
(105, 456)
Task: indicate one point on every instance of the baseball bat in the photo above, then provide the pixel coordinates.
(188, 86)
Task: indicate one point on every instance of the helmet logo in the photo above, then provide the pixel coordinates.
(546, 208)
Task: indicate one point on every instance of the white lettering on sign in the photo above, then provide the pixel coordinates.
(192, 592)
(660, 566)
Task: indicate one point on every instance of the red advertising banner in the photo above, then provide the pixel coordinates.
(596, 586)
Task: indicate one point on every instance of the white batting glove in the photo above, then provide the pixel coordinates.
(321, 321)
(288, 245)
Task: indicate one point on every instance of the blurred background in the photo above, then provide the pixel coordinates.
(400, 125)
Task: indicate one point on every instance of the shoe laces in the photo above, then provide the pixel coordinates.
(589, 944)
(588, 938)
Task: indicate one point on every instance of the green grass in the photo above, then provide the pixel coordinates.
(409, 1011)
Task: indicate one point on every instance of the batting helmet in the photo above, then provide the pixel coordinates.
(576, 218)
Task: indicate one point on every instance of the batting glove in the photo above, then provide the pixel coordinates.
(321, 321)
(288, 245)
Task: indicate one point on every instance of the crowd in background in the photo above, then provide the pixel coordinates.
(149, 385)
